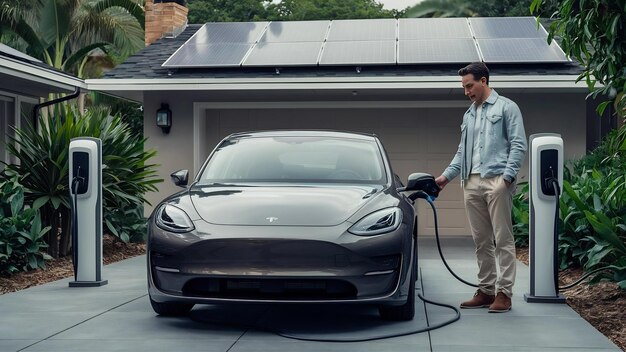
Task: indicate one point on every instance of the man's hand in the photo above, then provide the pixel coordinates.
(441, 181)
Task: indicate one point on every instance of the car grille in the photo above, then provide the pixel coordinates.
(270, 289)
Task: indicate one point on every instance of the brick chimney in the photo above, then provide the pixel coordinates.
(164, 19)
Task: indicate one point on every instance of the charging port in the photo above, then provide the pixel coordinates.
(80, 169)
(549, 171)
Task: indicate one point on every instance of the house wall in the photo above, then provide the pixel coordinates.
(416, 139)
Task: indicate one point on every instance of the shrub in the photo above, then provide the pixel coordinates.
(520, 216)
(43, 170)
(21, 234)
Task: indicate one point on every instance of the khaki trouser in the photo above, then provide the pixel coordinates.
(488, 203)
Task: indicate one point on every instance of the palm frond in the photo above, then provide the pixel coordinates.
(130, 6)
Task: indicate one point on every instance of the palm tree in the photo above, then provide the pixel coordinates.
(441, 8)
(63, 33)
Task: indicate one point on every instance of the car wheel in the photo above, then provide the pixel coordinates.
(405, 311)
(171, 309)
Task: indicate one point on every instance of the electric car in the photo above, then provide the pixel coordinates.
(286, 216)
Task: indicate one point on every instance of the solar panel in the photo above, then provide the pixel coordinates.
(433, 28)
(437, 51)
(355, 30)
(228, 32)
(284, 54)
(209, 55)
(359, 53)
(506, 27)
(520, 50)
(301, 31)
(367, 42)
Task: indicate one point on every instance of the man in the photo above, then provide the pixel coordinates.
(491, 151)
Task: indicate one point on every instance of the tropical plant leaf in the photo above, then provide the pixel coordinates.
(605, 232)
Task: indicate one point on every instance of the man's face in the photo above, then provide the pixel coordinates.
(474, 89)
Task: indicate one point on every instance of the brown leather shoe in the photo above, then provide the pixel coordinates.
(502, 304)
(480, 300)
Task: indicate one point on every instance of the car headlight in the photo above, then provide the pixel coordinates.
(173, 219)
(385, 220)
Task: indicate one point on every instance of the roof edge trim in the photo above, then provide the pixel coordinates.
(40, 74)
(553, 81)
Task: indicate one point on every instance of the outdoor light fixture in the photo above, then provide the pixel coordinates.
(164, 118)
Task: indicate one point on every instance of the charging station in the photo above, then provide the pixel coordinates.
(85, 179)
(546, 178)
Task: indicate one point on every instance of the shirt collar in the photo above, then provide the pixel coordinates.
(491, 100)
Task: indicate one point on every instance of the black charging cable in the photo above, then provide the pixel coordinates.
(430, 201)
(457, 316)
(554, 182)
(557, 193)
(76, 182)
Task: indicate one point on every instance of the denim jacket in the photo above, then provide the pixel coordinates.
(501, 138)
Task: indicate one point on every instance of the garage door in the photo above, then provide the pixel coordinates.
(416, 139)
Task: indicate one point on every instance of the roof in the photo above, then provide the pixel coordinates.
(146, 64)
(32, 77)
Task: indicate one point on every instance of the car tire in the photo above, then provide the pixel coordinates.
(169, 309)
(404, 312)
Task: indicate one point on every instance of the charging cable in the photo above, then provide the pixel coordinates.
(430, 199)
(76, 182)
(557, 194)
(457, 316)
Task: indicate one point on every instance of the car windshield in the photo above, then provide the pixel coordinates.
(295, 159)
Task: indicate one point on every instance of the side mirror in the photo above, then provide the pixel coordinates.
(180, 178)
(423, 182)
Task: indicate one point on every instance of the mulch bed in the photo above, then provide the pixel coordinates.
(603, 305)
(113, 250)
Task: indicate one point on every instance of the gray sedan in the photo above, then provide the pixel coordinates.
(286, 216)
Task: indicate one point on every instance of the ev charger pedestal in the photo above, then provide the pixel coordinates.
(546, 161)
(86, 166)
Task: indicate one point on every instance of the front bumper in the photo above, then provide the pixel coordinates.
(278, 264)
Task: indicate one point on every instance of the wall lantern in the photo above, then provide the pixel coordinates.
(164, 118)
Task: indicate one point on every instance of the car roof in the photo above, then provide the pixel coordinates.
(304, 133)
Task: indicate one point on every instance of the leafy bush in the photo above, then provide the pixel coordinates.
(43, 170)
(127, 223)
(520, 216)
(21, 234)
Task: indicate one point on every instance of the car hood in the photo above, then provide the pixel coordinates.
(279, 206)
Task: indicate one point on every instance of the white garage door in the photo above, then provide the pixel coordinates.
(416, 139)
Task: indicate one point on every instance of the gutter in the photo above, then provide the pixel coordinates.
(38, 107)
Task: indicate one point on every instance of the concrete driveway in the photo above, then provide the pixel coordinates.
(118, 317)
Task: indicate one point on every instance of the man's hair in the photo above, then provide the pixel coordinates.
(476, 69)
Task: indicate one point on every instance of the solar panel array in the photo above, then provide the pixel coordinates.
(368, 42)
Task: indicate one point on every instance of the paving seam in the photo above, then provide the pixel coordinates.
(430, 341)
(82, 322)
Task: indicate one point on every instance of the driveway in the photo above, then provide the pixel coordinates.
(118, 317)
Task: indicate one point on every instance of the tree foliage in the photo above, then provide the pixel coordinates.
(479, 8)
(594, 32)
(201, 11)
(63, 33)
(304, 10)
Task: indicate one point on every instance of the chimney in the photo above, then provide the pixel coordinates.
(164, 19)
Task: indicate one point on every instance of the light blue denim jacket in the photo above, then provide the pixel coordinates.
(501, 138)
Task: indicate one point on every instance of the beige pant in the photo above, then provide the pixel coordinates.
(488, 204)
